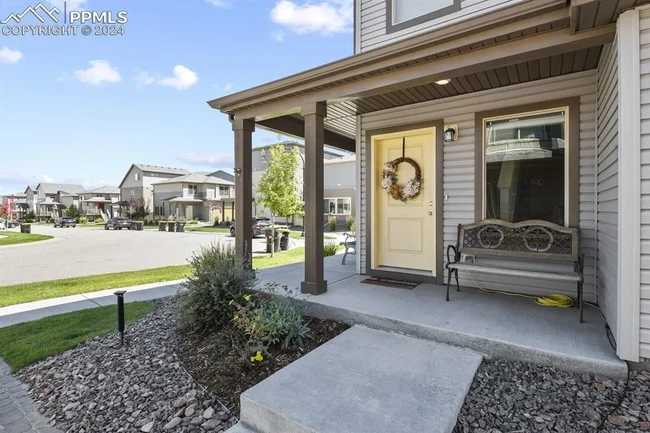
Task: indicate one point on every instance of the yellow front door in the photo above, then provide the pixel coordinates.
(403, 232)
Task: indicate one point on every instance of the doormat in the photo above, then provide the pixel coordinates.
(398, 284)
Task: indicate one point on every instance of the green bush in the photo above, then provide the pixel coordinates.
(216, 221)
(270, 320)
(331, 223)
(171, 218)
(83, 220)
(329, 249)
(49, 220)
(98, 221)
(192, 222)
(30, 215)
(216, 280)
(349, 222)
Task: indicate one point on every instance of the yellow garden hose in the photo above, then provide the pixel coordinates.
(552, 300)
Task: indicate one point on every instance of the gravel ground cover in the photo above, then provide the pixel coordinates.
(519, 397)
(98, 387)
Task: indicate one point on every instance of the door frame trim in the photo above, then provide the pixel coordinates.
(437, 199)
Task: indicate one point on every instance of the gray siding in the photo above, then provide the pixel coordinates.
(607, 214)
(645, 185)
(372, 32)
(458, 168)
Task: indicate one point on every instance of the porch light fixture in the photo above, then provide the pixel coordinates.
(443, 82)
(237, 171)
(450, 133)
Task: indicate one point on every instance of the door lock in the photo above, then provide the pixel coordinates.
(430, 213)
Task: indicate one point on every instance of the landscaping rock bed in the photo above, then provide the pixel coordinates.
(519, 397)
(97, 387)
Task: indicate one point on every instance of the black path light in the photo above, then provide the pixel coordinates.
(120, 314)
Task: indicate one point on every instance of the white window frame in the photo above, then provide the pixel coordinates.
(393, 26)
(192, 187)
(335, 200)
(137, 176)
(567, 145)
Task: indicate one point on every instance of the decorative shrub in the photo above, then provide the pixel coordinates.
(171, 218)
(329, 249)
(30, 215)
(216, 280)
(49, 220)
(349, 222)
(83, 220)
(216, 221)
(192, 222)
(99, 221)
(270, 320)
(331, 223)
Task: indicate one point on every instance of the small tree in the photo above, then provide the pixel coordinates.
(138, 208)
(278, 187)
(72, 211)
(5, 209)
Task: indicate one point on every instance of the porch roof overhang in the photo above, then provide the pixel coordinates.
(528, 41)
(97, 200)
(182, 200)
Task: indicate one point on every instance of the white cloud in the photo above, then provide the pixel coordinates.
(209, 159)
(23, 179)
(88, 183)
(183, 78)
(220, 3)
(10, 56)
(278, 35)
(325, 17)
(100, 71)
(70, 5)
(227, 87)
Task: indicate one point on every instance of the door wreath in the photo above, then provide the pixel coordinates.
(389, 181)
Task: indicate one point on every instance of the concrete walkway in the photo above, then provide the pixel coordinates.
(17, 412)
(363, 381)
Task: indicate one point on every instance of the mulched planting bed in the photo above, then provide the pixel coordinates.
(217, 361)
(520, 397)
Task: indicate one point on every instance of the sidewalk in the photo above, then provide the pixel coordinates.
(50, 307)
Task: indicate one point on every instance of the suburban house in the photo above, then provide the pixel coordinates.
(138, 183)
(474, 110)
(30, 197)
(53, 198)
(99, 202)
(17, 204)
(338, 199)
(199, 196)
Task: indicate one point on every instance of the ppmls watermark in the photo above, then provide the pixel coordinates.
(54, 22)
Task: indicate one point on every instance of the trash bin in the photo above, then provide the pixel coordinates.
(276, 243)
(25, 228)
(162, 226)
(171, 226)
(284, 240)
(139, 225)
(180, 227)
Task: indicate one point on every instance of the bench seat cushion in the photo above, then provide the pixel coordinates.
(555, 276)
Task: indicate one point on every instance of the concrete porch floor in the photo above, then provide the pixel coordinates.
(498, 326)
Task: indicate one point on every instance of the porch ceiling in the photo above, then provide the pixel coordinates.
(587, 14)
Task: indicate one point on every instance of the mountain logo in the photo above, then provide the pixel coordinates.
(39, 11)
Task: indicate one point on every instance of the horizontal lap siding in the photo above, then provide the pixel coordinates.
(607, 213)
(373, 20)
(458, 167)
(645, 186)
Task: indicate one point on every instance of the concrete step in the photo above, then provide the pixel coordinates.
(363, 381)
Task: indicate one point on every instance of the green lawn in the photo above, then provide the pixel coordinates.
(295, 234)
(12, 238)
(29, 292)
(26, 343)
(192, 228)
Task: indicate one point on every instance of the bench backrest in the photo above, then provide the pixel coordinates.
(535, 239)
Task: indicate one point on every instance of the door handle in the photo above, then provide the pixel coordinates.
(430, 213)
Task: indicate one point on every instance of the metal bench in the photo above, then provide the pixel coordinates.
(350, 244)
(536, 240)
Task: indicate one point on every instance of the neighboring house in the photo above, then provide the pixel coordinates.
(53, 198)
(260, 158)
(17, 204)
(340, 187)
(223, 175)
(30, 197)
(139, 179)
(199, 196)
(99, 202)
(512, 109)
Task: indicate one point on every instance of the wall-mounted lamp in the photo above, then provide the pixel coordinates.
(263, 155)
(237, 171)
(450, 133)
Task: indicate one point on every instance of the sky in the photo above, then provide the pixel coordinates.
(82, 109)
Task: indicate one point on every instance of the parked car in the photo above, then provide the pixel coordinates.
(65, 222)
(259, 224)
(118, 224)
(7, 224)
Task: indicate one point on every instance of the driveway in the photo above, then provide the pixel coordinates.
(89, 251)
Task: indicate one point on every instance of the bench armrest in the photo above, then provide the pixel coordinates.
(456, 257)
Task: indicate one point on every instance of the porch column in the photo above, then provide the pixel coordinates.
(314, 115)
(243, 129)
